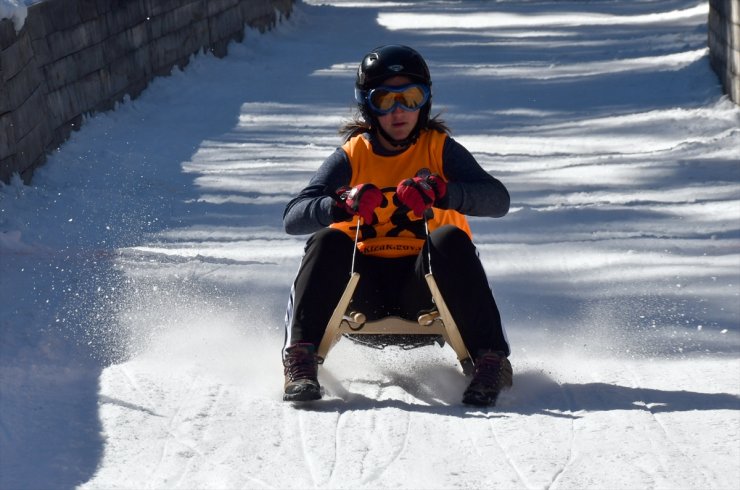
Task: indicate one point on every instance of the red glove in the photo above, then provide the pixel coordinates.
(421, 192)
(362, 200)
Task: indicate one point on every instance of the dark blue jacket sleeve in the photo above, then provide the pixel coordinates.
(310, 210)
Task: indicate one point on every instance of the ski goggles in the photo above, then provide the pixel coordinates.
(384, 100)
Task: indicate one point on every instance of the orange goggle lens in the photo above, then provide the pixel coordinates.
(384, 100)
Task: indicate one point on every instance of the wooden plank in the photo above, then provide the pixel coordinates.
(7, 136)
(63, 43)
(16, 56)
(63, 105)
(178, 46)
(32, 147)
(124, 15)
(21, 86)
(125, 42)
(5, 106)
(61, 15)
(87, 9)
(75, 66)
(223, 28)
(155, 8)
(38, 22)
(176, 20)
(8, 167)
(259, 14)
(28, 114)
(8, 35)
(129, 69)
(215, 7)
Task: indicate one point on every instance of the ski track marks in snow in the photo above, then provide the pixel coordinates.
(180, 437)
(153, 239)
(664, 442)
(352, 444)
(363, 426)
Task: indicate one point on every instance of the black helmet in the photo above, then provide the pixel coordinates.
(382, 63)
(391, 61)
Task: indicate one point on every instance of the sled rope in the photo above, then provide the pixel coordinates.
(357, 239)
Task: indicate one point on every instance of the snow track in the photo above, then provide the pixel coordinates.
(373, 432)
(144, 351)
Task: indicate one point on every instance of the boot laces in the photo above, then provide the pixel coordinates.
(488, 370)
(301, 363)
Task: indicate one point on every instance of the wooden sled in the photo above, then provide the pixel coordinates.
(434, 324)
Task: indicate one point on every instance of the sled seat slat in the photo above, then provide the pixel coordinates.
(391, 325)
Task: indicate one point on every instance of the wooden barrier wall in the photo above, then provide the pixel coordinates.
(724, 44)
(76, 57)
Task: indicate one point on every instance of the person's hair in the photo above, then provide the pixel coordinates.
(357, 125)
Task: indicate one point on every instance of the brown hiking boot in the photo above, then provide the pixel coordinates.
(301, 366)
(492, 374)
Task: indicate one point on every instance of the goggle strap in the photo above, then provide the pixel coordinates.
(360, 96)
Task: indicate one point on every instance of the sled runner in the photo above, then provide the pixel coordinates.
(435, 326)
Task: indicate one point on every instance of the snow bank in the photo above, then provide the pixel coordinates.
(15, 11)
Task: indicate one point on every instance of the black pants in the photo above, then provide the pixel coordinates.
(395, 287)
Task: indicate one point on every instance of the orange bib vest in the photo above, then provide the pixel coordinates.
(398, 232)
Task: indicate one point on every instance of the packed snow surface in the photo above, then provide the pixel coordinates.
(145, 271)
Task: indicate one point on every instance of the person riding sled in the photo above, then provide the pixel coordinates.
(396, 163)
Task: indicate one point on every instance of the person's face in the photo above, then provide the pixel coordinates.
(397, 123)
